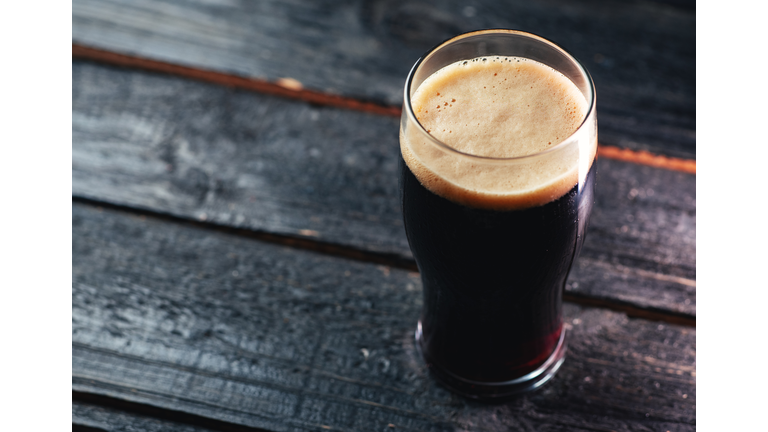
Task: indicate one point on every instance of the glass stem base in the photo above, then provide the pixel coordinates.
(496, 390)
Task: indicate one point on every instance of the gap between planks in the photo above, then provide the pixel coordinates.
(390, 260)
(155, 412)
(81, 428)
(290, 88)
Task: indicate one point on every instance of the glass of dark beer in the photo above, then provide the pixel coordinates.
(498, 142)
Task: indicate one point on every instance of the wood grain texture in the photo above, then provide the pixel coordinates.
(641, 54)
(285, 88)
(90, 417)
(288, 89)
(266, 336)
(244, 160)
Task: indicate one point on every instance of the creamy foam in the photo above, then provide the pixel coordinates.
(499, 107)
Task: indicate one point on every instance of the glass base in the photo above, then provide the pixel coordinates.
(497, 390)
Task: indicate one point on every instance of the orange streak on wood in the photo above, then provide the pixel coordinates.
(290, 88)
(285, 87)
(647, 158)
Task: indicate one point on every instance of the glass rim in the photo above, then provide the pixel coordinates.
(408, 109)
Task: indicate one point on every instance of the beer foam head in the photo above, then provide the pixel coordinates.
(497, 108)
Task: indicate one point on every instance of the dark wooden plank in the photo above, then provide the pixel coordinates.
(215, 325)
(245, 160)
(641, 54)
(90, 417)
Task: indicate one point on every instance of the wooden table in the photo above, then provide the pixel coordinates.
(239, 259)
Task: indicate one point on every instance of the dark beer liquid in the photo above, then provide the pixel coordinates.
(493, 280)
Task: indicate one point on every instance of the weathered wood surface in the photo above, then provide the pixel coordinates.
(640, 53)
(94, 418)
(245, 160)
(202, 322)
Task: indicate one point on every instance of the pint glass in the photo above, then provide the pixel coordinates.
(495, 232)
